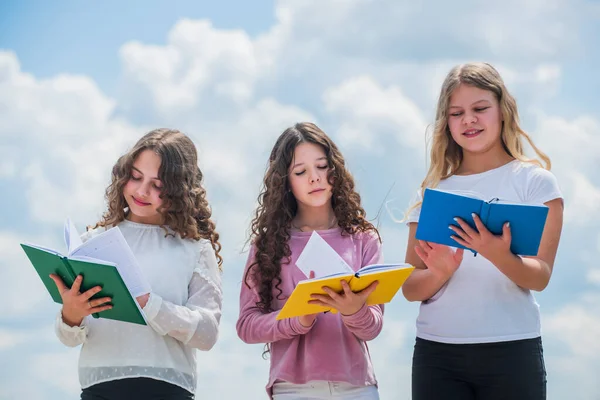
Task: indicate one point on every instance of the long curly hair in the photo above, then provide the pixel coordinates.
(277, 206)
(184, 208)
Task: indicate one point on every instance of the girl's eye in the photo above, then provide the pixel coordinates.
(323, 167)
(157, 187)
(299, 173)
(456, 114)
(481, 109)
(135, 178)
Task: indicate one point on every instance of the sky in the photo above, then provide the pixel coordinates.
(80, 82)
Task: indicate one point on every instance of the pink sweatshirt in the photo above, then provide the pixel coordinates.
(334, 348)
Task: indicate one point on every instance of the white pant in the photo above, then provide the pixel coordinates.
(316, 390)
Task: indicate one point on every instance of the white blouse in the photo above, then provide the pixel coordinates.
(183, 314)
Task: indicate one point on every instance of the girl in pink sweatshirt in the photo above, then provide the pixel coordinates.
(308, 188)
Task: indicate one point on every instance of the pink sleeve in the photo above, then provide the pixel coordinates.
(367, 323)
(253, 326)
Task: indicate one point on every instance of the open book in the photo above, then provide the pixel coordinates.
(330, 269)
(105, 260)
(440, 207)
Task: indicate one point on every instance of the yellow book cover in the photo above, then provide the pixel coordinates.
(390, 277)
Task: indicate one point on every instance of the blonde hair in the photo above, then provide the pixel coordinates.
(446, 155)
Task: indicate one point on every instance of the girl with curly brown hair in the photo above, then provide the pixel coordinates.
(157, 200)
(308, 188)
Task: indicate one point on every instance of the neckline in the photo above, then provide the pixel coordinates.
(489, 171)
(141, 225)
(294, 232)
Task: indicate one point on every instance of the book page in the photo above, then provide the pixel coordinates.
(382, 267)
(72, 237)
(320, 257)
(111, 246)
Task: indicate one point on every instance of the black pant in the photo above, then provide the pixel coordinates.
(489, 371)
(135, 388)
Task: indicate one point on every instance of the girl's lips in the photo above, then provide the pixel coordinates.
(316, 191)
(472, 132)
(140, 203)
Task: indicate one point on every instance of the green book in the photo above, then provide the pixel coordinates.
(102, 270)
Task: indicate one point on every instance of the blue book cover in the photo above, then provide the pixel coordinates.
(439, 209)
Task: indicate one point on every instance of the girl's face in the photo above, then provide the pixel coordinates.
(475, 119)
(308, 176)
(142, 190)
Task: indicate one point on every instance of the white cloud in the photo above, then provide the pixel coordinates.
(364, 110)
(371, 75)
(579, 327)
(593, 276)
(10, 339)
(576, 326)
(198, 59)
(58, 370)
(20, 282)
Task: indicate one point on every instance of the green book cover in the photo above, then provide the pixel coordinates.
(94, 273)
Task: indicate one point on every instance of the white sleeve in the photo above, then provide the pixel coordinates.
(70, 335)
(413, 212)
(542, 187)
(195, 323)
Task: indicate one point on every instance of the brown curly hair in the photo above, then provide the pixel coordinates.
(277, 206)
(185, 208)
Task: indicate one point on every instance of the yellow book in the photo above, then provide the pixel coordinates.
(390, 277)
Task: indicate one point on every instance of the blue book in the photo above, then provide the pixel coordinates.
(439, 209)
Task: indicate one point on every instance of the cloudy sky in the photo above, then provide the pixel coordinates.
(80, 82)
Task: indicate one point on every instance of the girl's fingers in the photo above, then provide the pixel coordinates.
(98, 302)
(77, 284)
(459, 241)
(89, 293)
(465, 227)
(100, 309)
(59, 284)
(424, 245)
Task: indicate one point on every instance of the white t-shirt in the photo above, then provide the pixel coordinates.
(183, 312)
(479, 304)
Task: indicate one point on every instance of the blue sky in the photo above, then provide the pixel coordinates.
(82, 81)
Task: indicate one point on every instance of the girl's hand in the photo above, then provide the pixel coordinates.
(482, 240)
(77, 306)
(441, 260)
(307, 320)
(347, 302)
(143, 299)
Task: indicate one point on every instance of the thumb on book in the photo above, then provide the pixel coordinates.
(506, 235)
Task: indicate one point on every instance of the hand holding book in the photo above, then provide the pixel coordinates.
(442, 210)
(77, 305)
(347, 302)
(332, 284)
(481, 239)
(309, 319)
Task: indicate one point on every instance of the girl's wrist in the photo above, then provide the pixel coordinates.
(69, 320)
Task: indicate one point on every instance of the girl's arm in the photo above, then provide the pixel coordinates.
(70, 336)
(434, 265)
(367, 323)
(527, 272)
(253, 326)
(196, 323)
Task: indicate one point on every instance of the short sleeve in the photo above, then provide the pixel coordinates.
(542, 187)
(414, 208)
